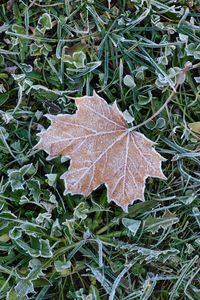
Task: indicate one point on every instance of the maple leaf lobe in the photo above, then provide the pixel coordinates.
(102, 150)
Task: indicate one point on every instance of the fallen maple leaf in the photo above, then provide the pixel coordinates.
(103, 150)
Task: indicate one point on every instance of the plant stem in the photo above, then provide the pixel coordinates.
(187, 66)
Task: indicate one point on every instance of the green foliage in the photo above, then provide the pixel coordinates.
(55, 246)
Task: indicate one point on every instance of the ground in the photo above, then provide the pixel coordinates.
(55, 246)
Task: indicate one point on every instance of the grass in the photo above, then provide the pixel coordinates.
(66, 247)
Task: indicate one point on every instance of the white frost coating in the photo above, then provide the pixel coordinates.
(102, 150)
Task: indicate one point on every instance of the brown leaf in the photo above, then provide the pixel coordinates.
(195, 127)
(103, 150)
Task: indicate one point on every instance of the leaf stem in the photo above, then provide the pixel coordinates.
(186, 68)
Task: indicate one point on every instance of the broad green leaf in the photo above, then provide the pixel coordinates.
(132, 225)
(56, 229)
(79, 59)
(51, 179)
(193, 50)
(60, 265)
(45, 248)
(129, 81)
(35, 267)
(45, 21)
(15, 233)
(34, 187)
(81, 211)
(23, 288)
(16, 177)
(18, 29)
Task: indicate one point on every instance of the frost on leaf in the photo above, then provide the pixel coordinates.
(102, 150)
